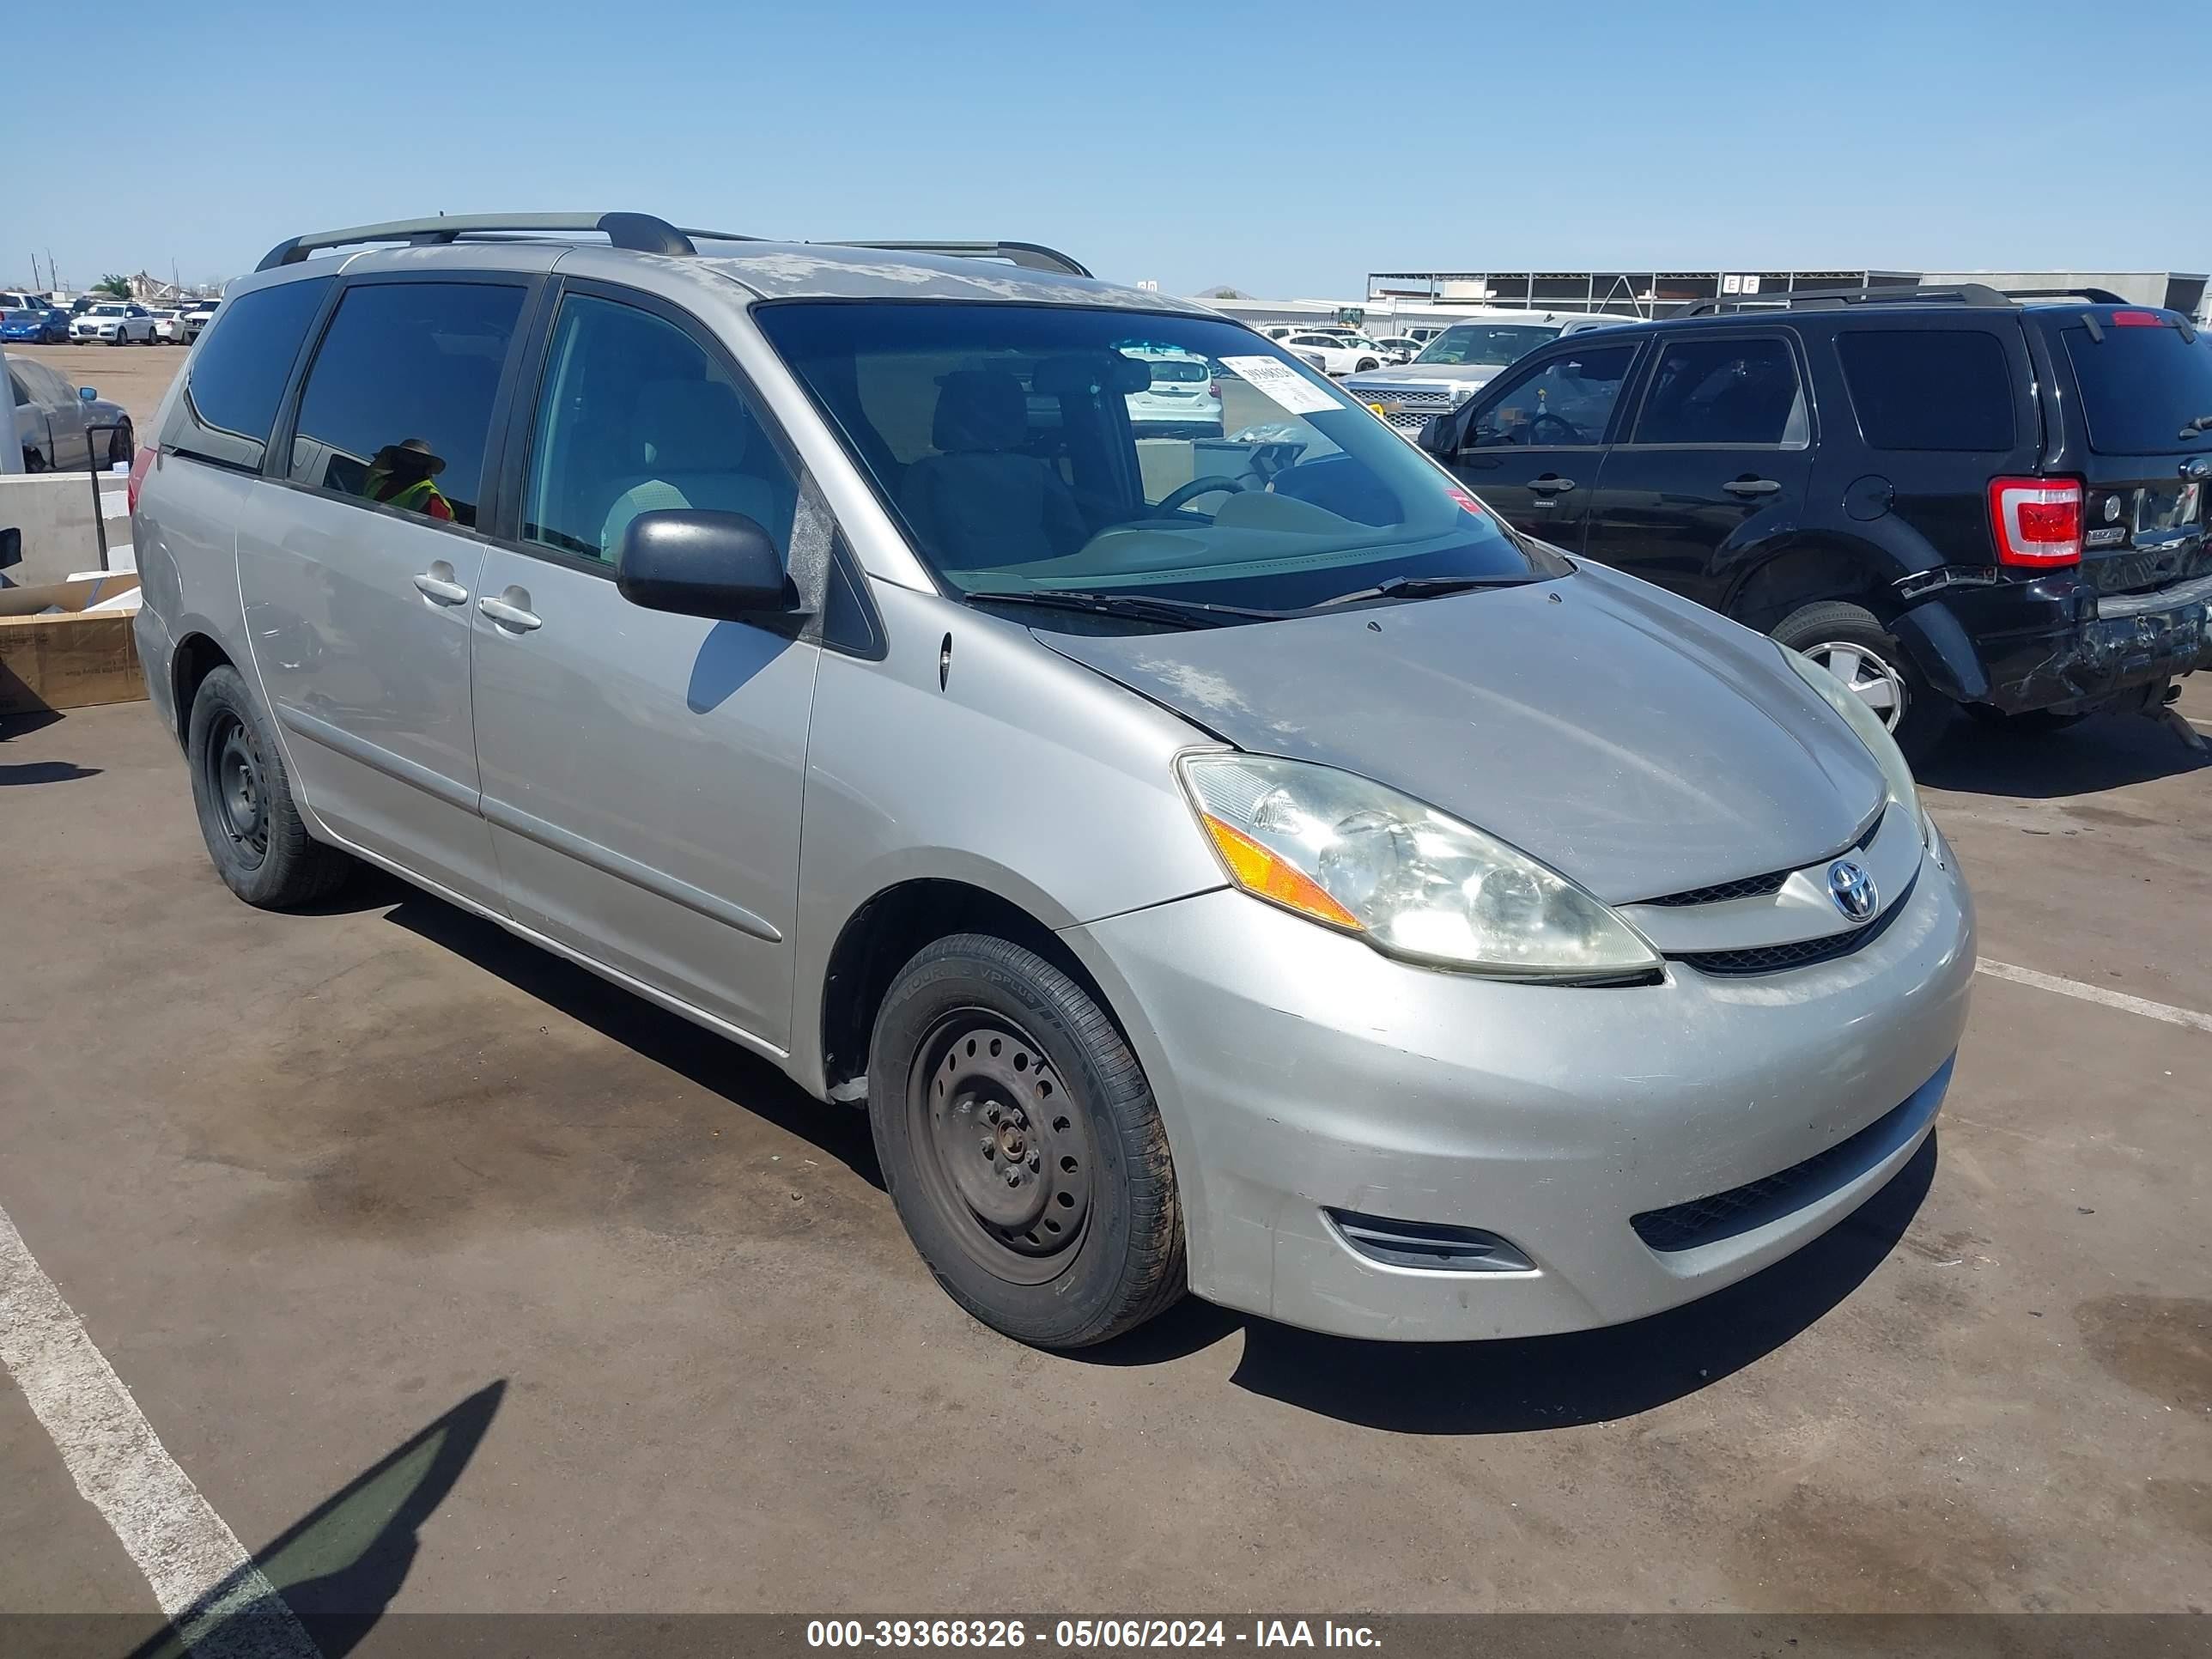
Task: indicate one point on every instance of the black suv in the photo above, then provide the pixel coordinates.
(1947, 495)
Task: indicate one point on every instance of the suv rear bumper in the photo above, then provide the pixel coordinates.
(2055, 642)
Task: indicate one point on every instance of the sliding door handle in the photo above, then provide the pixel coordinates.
(508, 615)
(437, 583)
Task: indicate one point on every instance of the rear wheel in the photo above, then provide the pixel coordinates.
(1021, 1148)
(253, 832)
(1850, 642)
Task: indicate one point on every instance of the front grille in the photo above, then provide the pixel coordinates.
(1708, 1220)
(1764, 886)
(1799, 953)
(1721, 892)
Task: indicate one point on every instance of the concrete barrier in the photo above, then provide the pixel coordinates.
(54, 512)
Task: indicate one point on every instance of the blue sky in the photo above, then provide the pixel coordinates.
(1286, 148)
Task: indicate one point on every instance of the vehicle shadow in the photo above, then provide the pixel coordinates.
(2106, 752)
(1548, 1382)
(45, 772)
(714, 1062)
(336, 1570)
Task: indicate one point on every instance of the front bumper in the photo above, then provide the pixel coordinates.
(1299, 1071)
(2057, 642)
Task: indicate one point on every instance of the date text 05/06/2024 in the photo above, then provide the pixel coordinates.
(1108, 1635)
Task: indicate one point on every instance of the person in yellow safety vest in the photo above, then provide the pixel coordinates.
(400, 476)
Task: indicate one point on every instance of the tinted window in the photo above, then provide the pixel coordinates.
(1488, 343)
(1725, 391)
(635, 417)
(238, 371)
(2140, 387)
(1931, 388)
(1566, 402)
(398, 404)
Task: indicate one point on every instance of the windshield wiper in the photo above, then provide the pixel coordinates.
(1140, 607)
(1422, 587)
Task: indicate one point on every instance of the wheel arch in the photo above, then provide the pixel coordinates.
(1806, 569)
(887, 930)
(196, 655)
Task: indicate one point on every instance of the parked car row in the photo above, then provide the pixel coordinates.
(34, 325)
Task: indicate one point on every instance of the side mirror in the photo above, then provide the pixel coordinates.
(87, 393)
(697, 563)
(1440, 437)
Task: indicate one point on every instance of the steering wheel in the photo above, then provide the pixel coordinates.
(1574, 432)
(1176, 500)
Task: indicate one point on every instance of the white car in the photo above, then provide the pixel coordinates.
(197, 315)
(1455, 366)
(113, 322)
(169, 326)
(1183, 400)
(1338, 354)
(1399, 348)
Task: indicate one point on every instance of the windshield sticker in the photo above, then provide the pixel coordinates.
(1281, 383)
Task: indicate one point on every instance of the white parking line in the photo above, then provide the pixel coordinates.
(199, 1573)
(2074, 987)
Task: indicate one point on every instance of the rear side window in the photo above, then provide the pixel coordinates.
(1725, 391)
(237, 375)
(2140, 387)
(1929, 388)
(398, 405)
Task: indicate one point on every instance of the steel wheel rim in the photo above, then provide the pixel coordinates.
(1866, 676)
(1004, 1155)
(237, 788)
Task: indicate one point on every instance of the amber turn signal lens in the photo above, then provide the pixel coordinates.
(1259, 871)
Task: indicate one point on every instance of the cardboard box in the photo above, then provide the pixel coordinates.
(55, 653)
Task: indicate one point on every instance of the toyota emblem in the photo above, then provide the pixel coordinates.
(1852, 888)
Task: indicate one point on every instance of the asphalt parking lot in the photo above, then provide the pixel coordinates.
(315, 1183)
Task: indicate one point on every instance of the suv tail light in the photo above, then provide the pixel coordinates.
(2037, 522)
(2137, 319)
(139, 463)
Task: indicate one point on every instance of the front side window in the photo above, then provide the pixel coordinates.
(1564, 403)
(1496, 343)
(236, 377)
(1724, 392)
(633, 417)
(1001, 436)
(398, 404)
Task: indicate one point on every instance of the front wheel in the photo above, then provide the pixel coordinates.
(1850, 642)
(1021, 1146)
(122, 445)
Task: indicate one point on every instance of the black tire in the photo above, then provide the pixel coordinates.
(123, 445)
(34, 460)
(2029, 723)
(1365, 364)
(1921, 713)
(981, 1041)
(253, 832)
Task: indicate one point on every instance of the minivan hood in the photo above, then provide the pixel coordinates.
(1635, 743)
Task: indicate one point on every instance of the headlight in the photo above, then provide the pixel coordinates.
(1903, 792)
(1412, 882)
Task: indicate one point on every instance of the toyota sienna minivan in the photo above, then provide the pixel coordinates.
(1235, 864)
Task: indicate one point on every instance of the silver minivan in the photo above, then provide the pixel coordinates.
(1235, 863)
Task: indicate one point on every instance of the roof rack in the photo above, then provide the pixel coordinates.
(1030, 256)
(1965, 294)
(641, 232)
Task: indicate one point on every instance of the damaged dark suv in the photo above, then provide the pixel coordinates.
(1949, 497)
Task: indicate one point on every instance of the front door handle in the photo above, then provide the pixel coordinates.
(1750, 487)
(437, 583)
(1550, 486)
(506, 614)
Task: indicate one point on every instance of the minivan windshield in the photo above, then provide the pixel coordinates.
(1000, 436)
(1497, 344)
(2144, 389)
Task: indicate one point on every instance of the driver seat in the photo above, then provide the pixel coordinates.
(981, 503)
